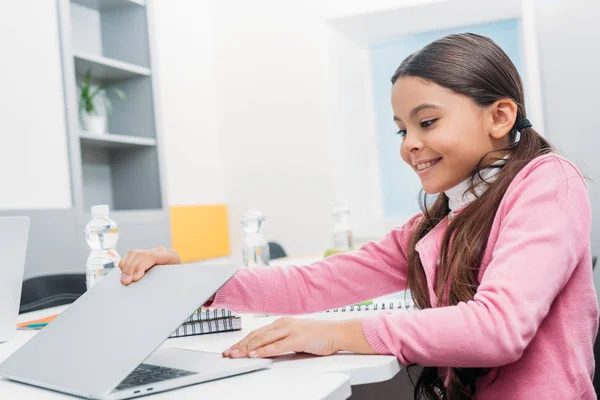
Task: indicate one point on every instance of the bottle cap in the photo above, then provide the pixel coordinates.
(100, 211)
(252, 220)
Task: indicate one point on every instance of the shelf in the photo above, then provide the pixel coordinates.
(107, 69)
(125, 179)
(109, 140)
(102, 5)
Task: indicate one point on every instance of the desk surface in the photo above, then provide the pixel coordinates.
(265, 384)
(361, 369)
(322, 377)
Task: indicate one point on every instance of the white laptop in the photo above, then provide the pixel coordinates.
(103, 345)
(14, 234)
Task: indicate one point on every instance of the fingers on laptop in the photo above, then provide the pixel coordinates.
(135, 264)
(166, 256)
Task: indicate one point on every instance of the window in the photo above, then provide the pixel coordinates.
(399, 184)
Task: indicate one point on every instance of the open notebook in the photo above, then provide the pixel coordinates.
(399, 302)
(375, 306)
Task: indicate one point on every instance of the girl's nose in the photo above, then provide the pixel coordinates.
(411, 143)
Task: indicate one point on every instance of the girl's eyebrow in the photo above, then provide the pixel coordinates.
(419, 108)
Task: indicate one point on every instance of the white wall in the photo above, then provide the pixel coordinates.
(273, 122)
(354, 154)
(184, 64)
(34, 166)
(570, 82)
(262, 68)
(244, 114)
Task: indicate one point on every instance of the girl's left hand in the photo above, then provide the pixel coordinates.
(289, 334)
(301, 335)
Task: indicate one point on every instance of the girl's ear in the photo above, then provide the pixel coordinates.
(502, 117)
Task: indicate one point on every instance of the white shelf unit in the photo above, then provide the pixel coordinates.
(101, 5)
(109, 140)
(123, 168)
(107, 69)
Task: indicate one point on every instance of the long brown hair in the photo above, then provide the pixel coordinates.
(474, 66)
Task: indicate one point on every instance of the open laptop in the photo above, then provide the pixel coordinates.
(103, 345)
(14, 234)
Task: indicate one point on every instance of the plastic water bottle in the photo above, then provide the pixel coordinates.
(342, 234)
(101, 234)
(255, 251)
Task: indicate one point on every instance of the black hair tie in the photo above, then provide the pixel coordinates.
(522, 124)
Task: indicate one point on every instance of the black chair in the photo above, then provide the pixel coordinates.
(276, 251)
(51, 291)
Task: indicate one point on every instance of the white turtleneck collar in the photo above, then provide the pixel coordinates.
(459, 196)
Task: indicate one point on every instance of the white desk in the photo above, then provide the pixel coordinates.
(266, 384)
(360, 368)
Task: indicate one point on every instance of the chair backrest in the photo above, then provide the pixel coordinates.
(51, 291)
(276, 251)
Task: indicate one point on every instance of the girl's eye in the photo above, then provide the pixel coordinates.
(428, 123)
(402, 133)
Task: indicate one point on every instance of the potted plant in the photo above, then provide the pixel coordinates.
(92, 122)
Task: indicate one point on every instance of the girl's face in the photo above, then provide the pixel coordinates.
(445, 134)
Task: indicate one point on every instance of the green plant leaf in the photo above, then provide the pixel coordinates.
(88, 77)
(86, 101)
(89, 94)
(119, 93)
(100, 90)
(107, 105)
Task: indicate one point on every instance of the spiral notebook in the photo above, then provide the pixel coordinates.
(209, 320)
(206, 327)
(208, 314)
(383, 304)
(379, 305)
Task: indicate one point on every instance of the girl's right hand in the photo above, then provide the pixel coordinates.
(135, 264)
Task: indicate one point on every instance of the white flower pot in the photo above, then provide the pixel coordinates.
(94, 124)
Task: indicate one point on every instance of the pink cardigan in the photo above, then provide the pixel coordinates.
(533, 319)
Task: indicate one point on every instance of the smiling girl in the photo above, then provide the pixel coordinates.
(499, 261)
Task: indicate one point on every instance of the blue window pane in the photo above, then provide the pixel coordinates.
(400, 186)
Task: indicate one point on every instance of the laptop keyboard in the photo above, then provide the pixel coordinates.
(147, 373)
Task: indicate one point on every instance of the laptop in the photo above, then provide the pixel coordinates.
(14, 234)
(103, 345)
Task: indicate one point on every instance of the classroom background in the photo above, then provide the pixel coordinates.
(279, 106)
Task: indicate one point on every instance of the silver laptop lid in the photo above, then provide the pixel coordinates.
(94, 344)
(14, 234)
